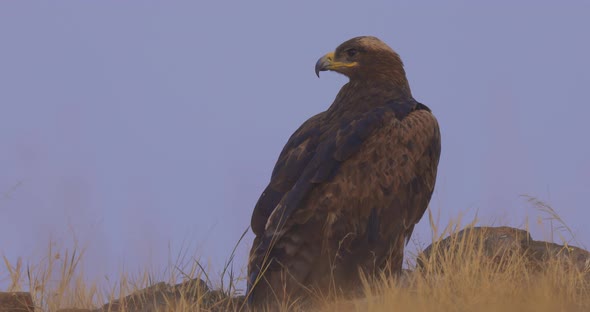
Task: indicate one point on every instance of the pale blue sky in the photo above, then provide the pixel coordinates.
(138, 124)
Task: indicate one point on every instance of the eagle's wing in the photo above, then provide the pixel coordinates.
(420, 140)
(293, 159)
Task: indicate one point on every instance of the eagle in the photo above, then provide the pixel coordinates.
(350, 184)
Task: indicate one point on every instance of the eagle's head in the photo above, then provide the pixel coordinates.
(363, 58)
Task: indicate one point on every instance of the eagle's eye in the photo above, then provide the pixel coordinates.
(351, 52)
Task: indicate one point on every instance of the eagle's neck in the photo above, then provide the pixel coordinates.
(361, 96)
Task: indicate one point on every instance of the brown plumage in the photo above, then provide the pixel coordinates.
(349, 185)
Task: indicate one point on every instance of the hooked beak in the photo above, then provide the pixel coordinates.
(324, 63)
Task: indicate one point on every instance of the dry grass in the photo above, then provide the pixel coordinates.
(470, 282)
(473, 282)
(56, 282)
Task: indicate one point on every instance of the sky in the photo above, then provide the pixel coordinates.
(139, 129)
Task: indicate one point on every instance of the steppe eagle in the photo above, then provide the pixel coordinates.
(349, 185)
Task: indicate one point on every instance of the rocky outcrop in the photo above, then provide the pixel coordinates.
(159, 296)
(539, 252)
(16, 302)
(499, 244)
(191, 295)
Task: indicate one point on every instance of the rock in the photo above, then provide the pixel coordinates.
(162, 297)
(495, 243)
(146, 300)
(540, 252)
(16, 302)
(191, 287)
(190, 295)
(498, 244)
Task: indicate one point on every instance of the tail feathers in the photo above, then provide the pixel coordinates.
(281, 273)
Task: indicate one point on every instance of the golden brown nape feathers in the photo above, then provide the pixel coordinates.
(349, 185)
